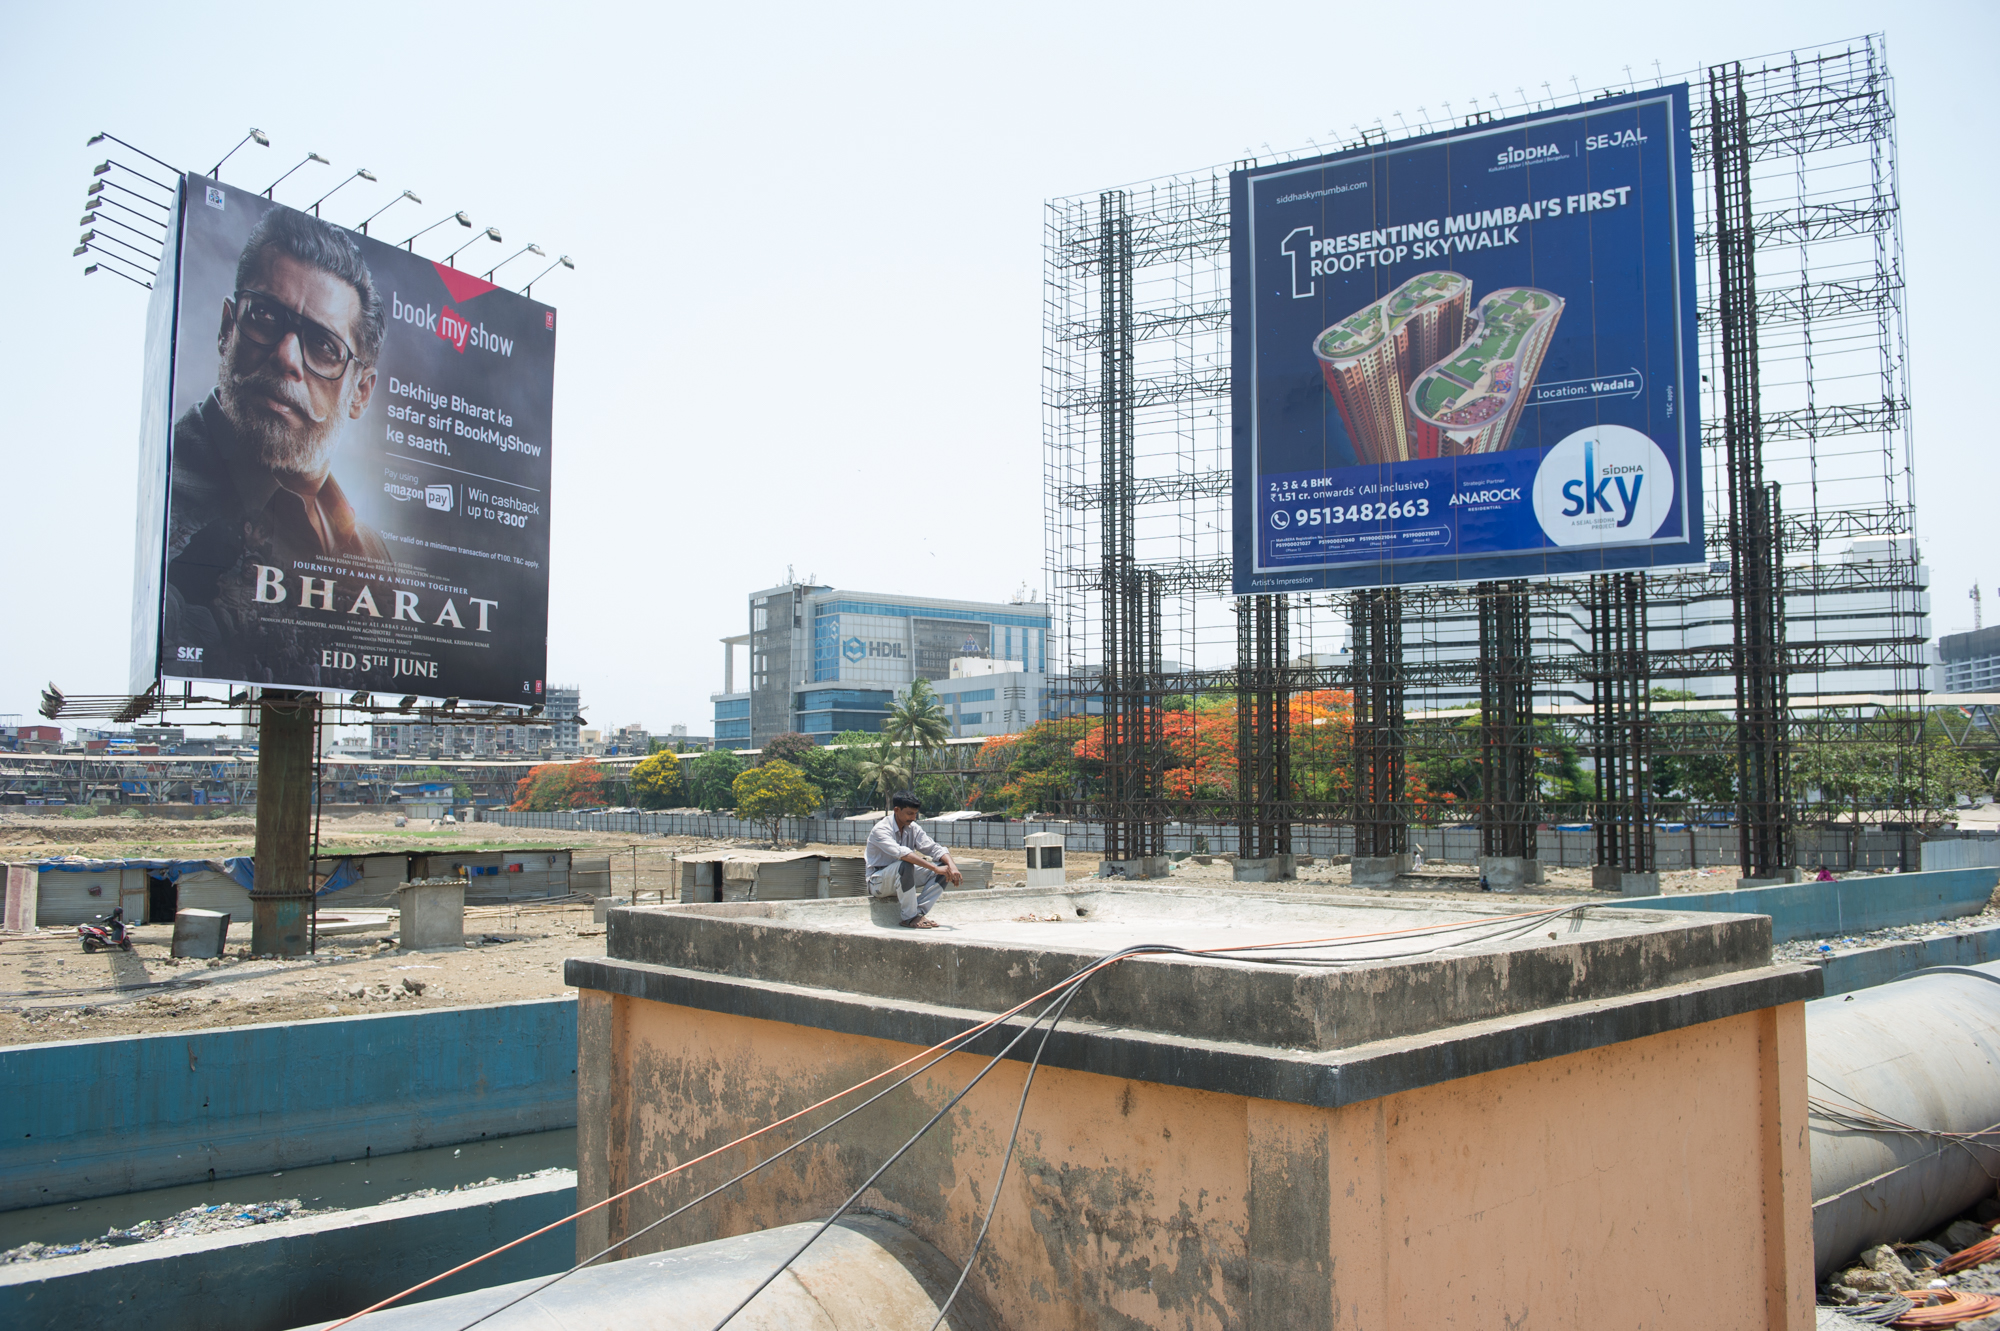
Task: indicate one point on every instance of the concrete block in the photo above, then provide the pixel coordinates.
(200, 933)
(601, 910)
(432, 913)
(1635, 884)
(1606, 877)
(1379, 870)
(1148, 866)
(1791, 875)
(1274, 869)
(1045, 860)
(1509, 873)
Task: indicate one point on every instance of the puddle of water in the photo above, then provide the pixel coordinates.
(349, 1184)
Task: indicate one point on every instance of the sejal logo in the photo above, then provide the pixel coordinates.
(1609, 485)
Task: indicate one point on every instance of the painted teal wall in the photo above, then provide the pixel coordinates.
(90, 1118)
(1846, 905)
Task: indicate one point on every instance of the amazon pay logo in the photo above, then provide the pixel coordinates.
(1608, 485)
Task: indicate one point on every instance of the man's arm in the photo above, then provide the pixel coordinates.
(945, 868)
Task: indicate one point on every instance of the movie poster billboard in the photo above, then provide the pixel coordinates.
(1469, 355)
(345, 460)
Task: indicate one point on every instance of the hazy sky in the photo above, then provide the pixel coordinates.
(804, 328)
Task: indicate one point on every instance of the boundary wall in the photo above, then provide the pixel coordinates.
(1676, 846)
(294, 1272)
(1846, 905)
(93, 1118)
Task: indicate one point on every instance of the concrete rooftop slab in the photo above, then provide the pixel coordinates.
(1385, 970)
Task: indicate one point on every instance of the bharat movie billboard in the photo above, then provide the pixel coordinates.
(1469, 355)
(345, 464)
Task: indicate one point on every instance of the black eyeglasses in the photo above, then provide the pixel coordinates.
(265, 320)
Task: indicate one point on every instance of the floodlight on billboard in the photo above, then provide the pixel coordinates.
(344, 464)
(1469, 355)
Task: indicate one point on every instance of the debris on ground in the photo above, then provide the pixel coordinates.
(210, 1219)
(1951, 1279)
(488, 1182)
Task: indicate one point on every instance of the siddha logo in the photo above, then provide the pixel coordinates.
(1609, 485)
(1517, 156)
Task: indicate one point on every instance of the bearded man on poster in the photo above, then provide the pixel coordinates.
(252, 463)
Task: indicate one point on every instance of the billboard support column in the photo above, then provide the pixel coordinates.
(1263, 740)
(1621, 732)
(281, 900)
(1381, 818)
(1756, 569)
(1508, 808)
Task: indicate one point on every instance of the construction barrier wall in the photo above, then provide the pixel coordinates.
(1840, 848)
(91, 1118)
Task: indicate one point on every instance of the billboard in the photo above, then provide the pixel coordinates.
(344, 464)
(937, 641)
(1469, 355)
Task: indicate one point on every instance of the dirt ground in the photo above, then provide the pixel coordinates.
(51, 990)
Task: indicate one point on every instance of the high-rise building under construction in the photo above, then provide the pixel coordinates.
(1470, 401)
(1371, 357)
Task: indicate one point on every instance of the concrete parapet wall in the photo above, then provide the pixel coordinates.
(1871, 966)
(1846, 905)
(294, 1272)
(90, 1118)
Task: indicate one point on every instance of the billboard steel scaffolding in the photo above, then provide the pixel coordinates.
(1768, 689)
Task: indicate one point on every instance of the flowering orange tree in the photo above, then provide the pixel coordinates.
(578, 785)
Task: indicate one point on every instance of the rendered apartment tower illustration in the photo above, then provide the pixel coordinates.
(1371, 357)
(1470, 401)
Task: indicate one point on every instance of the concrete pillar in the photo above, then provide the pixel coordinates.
(1271, 869)
(1626, 882)
(1379, 870)
(1509, 873)
(281, 900)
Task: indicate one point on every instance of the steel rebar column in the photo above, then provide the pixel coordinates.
(1621, 725)
(1756, 566)
(1381, 822)
(1263, 729)
(1509, 809)
(1134, 825)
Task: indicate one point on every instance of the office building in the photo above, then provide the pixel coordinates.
(1969, 662)
(823, 660)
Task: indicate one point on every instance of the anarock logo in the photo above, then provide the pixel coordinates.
(1608, 485)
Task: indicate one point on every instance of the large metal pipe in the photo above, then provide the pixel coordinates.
(866, 1271)
(1923, 1051)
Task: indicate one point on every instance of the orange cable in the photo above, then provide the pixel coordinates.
(839, 1095)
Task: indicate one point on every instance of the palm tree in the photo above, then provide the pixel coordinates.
(917, 720)
(884, 768)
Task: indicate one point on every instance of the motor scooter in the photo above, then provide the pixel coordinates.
(108, 933)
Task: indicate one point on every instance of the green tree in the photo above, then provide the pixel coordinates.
(790, 747)
(883, 769)
(711, 780)
(459, 790)
(774, 790)
(1893, 760)
(656, 782)
(831, 767)
(1694, 752)
(916, 721)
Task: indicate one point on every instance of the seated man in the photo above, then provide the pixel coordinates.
(903, 859)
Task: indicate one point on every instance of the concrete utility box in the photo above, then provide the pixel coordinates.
(1045, 860)
(200, 933)
(433, 913)
(1544, 1126)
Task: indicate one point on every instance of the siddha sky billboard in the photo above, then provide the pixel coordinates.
(344, 464)
(1469, 355)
